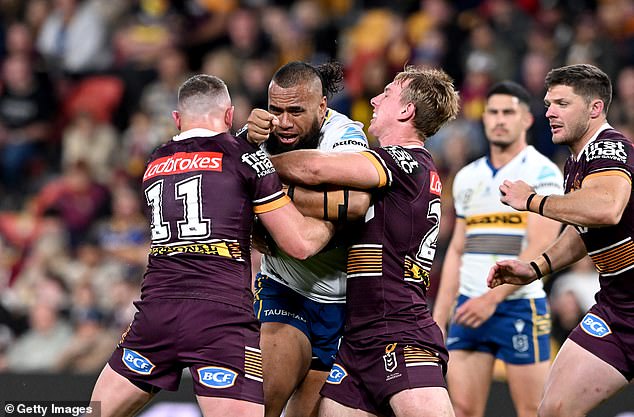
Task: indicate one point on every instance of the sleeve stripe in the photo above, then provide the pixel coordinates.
(275, 204)
(269, 197)
(612, 172)
(379, 168)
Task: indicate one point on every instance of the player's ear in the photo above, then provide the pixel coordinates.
(177, 119)
(528, 119)
(323, 106)
(407, 112)
(596, 108)
(229, 116)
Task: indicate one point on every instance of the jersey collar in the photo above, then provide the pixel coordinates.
(520, 155)
(197, 132)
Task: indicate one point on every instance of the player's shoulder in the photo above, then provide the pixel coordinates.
(610, 144)
(340, 133)
(472, 170)
(540, 164)
(611, 134)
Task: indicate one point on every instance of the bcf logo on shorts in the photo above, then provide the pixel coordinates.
(337, 374)
(215, 377)
(137, 362)
(595, 326)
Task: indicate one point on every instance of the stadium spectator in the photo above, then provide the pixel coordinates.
(27, 106)
(47, 329)
(74, 38)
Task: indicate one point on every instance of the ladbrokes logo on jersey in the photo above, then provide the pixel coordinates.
(182, 162)
(435, 185)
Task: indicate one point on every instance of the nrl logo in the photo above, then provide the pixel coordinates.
(390, 357)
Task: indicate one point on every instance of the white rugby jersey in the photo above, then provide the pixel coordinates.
(321, 278)
(495, 231)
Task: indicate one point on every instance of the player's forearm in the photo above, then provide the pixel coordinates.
(541, 232)
(586, 208)
(344, 169)
(334, 205)
(448, 288)
(298, 167)
(566, 250)
(298, 236)
(315, 235)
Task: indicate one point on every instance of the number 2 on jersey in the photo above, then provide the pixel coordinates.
(427, 248)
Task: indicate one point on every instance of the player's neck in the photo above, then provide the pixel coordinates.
(502, 155)
(593, 128)
(401, 137)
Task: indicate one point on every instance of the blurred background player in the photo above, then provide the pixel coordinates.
(510, 323)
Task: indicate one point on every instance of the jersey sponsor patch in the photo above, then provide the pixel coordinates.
(136, 362)
(435, 185)
(182, 162)
(403, 159)
(216, 377)
(595, 326)
(259, 162)
(546, 172)
(506, 220)
(607, 150)
(337, 374)
(352, 136)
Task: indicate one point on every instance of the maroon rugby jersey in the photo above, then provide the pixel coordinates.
(611, 248)
(390, 262)
(202, 190)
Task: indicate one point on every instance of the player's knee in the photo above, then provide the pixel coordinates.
(466, 410)
(555, 407)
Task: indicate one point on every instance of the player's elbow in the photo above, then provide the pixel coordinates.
(300, 250)
(358, 205)
(612, 217)
(602, 218)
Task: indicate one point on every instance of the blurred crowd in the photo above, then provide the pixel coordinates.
(86, 93)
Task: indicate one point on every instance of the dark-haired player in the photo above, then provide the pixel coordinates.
(510, 323)
(202, 189)
(597, 359)
(301, 303)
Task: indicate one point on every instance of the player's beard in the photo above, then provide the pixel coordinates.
(310, 140)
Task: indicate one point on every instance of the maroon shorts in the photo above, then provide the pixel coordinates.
(219, 343)
(609, 336)
(367, 373)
